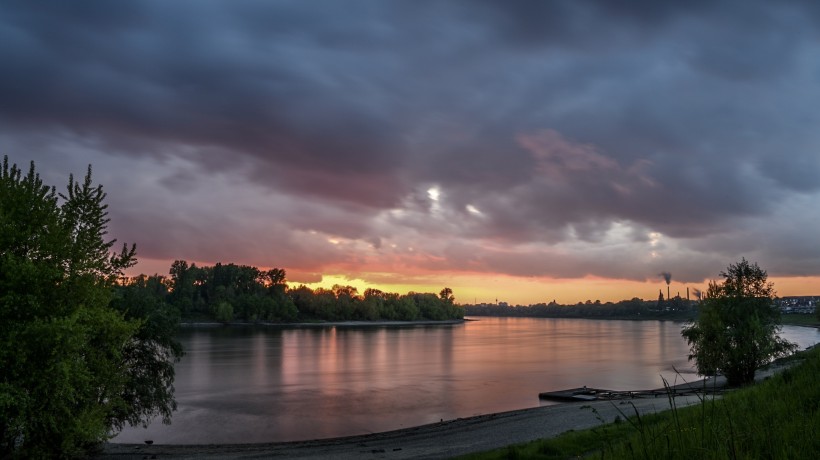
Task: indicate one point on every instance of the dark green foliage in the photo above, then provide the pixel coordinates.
(229, 292)
(67, 358)
(151, 355)
(736, 330)
(342, 303)
(673, 309)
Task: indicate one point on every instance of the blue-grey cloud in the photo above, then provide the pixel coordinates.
(553, 121)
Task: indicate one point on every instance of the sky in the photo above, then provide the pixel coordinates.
(516, 151)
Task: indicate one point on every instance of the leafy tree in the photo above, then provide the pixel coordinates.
(446, 295)
(223, 312)
(151, 353)
(406, 308)
(183, 279)
(736, 330)
(275, 276)
(70, 373)
(430, 306)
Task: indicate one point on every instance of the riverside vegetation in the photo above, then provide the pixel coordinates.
(777, 418)
(674, 309)
(78, 363)
(230, 292)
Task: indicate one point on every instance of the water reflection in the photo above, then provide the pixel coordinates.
(256, 385)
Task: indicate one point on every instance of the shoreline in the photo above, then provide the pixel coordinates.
(210, 324)
(390, 323)
(447, 438)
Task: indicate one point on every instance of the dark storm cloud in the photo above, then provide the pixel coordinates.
(552, 120)
(178, 75)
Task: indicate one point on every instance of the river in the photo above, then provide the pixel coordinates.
(239, 385)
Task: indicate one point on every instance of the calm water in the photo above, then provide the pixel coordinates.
(256, 385)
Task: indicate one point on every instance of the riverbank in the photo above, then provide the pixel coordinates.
(792, 320)
(319, 324)
(800, 319)
(439, 440)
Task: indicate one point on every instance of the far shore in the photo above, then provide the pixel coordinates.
(384, 323)
(206, 324)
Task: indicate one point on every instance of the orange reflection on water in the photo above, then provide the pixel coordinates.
(258, 385)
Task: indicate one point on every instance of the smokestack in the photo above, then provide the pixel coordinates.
(668, 278)
(687, 293)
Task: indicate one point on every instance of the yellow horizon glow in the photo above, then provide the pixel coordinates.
(470, 288)
(480, 288)
(473, 288)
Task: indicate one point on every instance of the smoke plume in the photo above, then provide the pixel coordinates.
(666, 276)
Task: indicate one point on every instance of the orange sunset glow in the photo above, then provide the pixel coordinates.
(475, 147)
(408, 229)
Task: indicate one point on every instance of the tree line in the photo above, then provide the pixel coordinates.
(231, 292)
(675, 307)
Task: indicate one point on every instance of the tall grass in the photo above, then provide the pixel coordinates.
(778, 418)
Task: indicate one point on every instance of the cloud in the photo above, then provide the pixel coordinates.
(558, 135)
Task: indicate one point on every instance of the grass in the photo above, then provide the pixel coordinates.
(778, 418)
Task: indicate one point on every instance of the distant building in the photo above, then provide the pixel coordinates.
(798, 304)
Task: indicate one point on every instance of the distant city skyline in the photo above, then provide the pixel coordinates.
(525, 151)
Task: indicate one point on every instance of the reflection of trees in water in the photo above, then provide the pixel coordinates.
(399, 377)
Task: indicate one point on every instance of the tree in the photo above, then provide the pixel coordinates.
(275, 276)
(71, 365)
(183, 278)
(446, 295)
(223, 312)
(151, 352)
(737, 326)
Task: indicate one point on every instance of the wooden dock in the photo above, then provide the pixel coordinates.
(595, 394)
